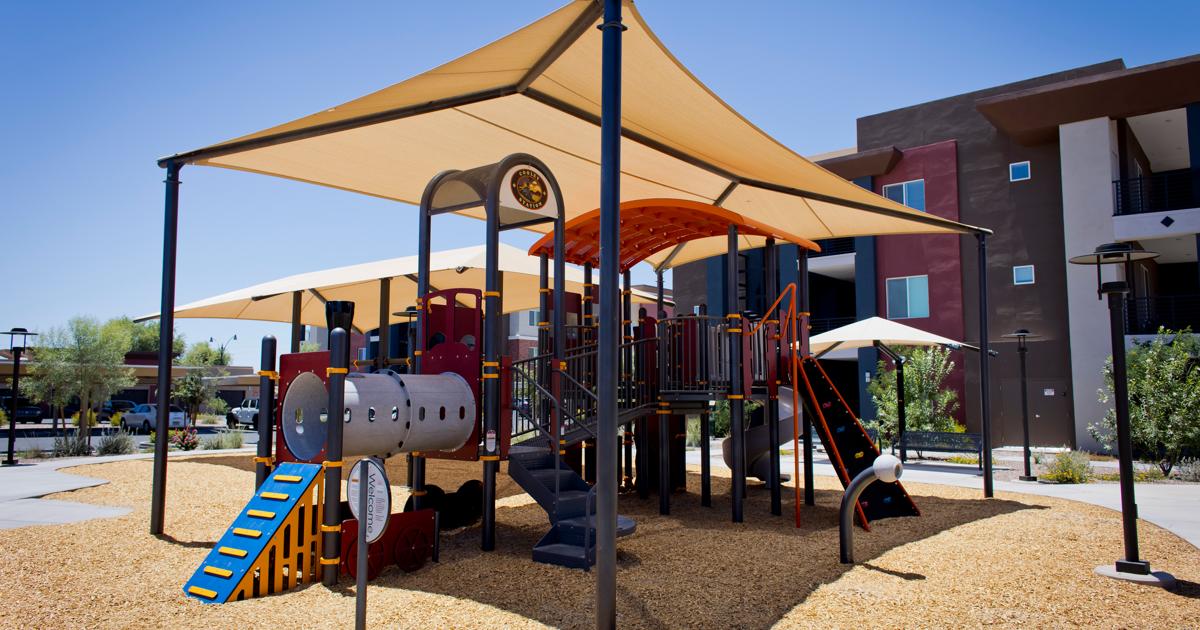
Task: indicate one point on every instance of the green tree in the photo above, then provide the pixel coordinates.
(1164, 398)
(50, 378)
(202, 354)
(929, 405)
(144, 336)
(198, 389)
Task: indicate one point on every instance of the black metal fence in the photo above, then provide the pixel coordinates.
(1168, 190)
(834, 246)
(1146, 314)
(826, 324)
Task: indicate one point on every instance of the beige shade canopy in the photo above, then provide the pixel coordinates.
(455, 268)
(538, 91)
(864, 334)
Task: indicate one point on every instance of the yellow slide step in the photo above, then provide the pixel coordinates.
(289, 478)
(230, 551)
(249, 533)
(202, 592)
(218, 571)
(261, 514)
(277, 496)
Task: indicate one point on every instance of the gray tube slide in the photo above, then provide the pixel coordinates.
(758, 441)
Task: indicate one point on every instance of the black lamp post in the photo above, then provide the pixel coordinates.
(1021, 335)
(222, 360)
(17, 340)
(1132, 567)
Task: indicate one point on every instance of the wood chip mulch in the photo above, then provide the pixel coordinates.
(1016, 560)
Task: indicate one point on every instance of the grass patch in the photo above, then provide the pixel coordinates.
(223, 439)
(1149, 475)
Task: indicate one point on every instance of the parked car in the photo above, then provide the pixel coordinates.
(245, 413)
(144, 417)
(26, 411)
(111, 407)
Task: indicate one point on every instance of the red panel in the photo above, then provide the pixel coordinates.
(459, 350)
(291, 366)
(938, 256)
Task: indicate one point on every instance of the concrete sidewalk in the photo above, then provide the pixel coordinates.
(22, 486)
(1172, 506)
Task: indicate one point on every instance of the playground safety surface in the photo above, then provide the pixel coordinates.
(1017, 560)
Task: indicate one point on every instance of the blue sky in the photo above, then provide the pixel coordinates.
(98, 91)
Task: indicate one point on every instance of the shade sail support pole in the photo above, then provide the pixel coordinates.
(609, 339)
(166, 338)
(733, 319)
(802, 323)
(771, 347)
(385, 338)
(985, 406)
(297, 327)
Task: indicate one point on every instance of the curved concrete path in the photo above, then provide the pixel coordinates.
(21, 487)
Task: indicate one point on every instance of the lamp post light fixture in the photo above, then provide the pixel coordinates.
(222, 360)
(1131, 567)
(18, 340)
(1021, 335)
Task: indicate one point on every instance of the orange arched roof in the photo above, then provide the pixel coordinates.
(652, 225)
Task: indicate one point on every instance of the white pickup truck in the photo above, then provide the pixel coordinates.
(245, 413)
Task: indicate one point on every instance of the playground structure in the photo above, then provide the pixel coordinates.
(464, 400)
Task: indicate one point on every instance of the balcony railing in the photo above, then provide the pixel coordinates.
(826, 324)
(834, 246)
(1168, 190)
(1146, 314)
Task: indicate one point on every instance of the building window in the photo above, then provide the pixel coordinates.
(1023, 274)
(533, 318)
(1019, 172)
(908, 298)
(911, 194)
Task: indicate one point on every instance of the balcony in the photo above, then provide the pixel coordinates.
(820, 325)
(1168, 190)
(1146, 314)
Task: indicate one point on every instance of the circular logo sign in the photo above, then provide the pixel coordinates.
(379, 496)
(529, 188)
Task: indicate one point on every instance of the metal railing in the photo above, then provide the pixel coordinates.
(826, 324)
(1168, 190)
(834, 246)
(1146, 314)
(697, 354)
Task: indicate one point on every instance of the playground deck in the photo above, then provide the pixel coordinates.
(953, 566)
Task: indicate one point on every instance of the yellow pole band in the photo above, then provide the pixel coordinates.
(336, 370)
(271, 374)
(329, 464)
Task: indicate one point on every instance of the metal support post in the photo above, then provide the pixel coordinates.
(267, 377)
(806, 425)
(610, 218)
(383, 355)
(736, 393)
(331, 517)
(297, 326)
(984, 377)
(772, 346)
(166, 338)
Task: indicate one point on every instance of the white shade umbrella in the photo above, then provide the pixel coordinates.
(864, 334)
(450, 269)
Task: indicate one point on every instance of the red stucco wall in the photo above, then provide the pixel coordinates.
(937, 256)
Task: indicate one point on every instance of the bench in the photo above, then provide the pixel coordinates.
(943, 442)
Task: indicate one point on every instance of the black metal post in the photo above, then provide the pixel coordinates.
(331, 516)
(610, 217)
(736, 394)
(416, 472)
(12, 407)
(772, 346)
(901, 407)
(385, 316)
(1132, 562)
(984, 378)
(627, 370)
(267, 377)
(705, 460)
(166, 334)
(297, 326)
(1022, 349)
(493, 306)
(806, 422)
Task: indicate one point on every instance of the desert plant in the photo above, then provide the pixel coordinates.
(719, 420)
(1164, 399)
(3, 418)
(185, 439)
(91, 420)
(1188, 469)
(33, 453)
(223, 439)
(928, 404)
(72, 446)
(117, 443)
(1067, 467)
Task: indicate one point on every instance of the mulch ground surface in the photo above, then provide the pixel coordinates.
(1016, 560)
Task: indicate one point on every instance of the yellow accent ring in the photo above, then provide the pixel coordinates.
(735, 397)
(419, 493)
(491, 376)
(331, 464)
(336, 370)
(733, 316)
(417, 353)
(489, 458)
(271, 374)
(491, 364)
(488, 294)
(331, 528)
(330, 561)
(663, 412)
(264, 460)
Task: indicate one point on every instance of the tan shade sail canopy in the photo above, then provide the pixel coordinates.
(864, 334)
(538, 91)
(455, 268)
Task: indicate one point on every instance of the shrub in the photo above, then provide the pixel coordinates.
(115, 419)
(3, 418)
(222, 440)
(210, 419)
(1140, 476)
(720, 422)
(1164, 399)
(91, 419)
(928, 404)
(1068, 467)
(117, 443)
(33, 453)
(185, 439)
(1189, 469)
(72, 446)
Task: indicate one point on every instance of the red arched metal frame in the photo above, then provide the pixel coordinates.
(649, 226)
